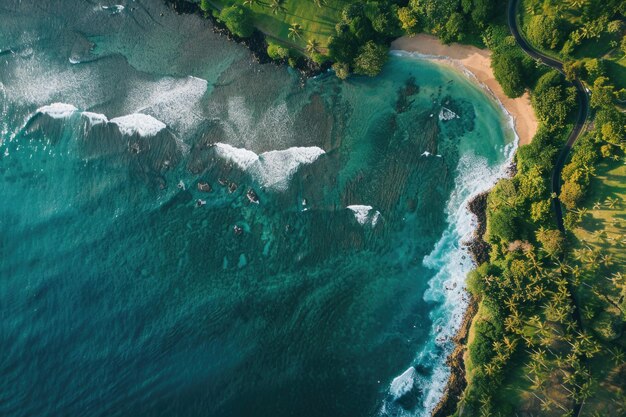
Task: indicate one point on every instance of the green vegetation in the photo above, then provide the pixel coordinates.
(549, 333)
(579, 30)
(371, 59)
(346, 32)
(237, 19)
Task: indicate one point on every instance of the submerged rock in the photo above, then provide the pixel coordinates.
(252, 196)
(205, 187)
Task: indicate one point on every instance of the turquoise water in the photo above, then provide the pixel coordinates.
(127, 291)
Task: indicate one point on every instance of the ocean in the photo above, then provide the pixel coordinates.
(185, 232)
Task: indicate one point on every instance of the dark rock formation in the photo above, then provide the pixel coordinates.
(478, 248)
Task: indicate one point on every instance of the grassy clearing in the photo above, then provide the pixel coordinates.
(604, 227)
(317, 23)
(601, 235)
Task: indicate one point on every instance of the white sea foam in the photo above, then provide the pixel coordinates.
(446, 114)
(138, 123)
(174, 101)
(58, 110)
(403, 384)
(95, 118)
(240, 156)
(365, 214)
(277, 167)
(273, 127)
(36, 81)
(115, 9)
(271, 169)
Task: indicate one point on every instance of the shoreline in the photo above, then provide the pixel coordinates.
(256, 44)
(476, 63)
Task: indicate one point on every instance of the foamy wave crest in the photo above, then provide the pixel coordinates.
(58, 110)
(403, 384)
(365, 214)
(95, 118)
(132, 124)
(138, 123)
(272, 169)
(242, 157)
(447, 288)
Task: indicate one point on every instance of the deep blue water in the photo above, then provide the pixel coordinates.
(127, 291)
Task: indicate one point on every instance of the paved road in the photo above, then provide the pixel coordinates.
(583, 108)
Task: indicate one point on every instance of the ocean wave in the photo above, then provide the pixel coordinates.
(272, 169)
(403, 384)
(95, 118)
(138, 123)
(58, 110)
(243, 158)
(451, 259)
(365, 214)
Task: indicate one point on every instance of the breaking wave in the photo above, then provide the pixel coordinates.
(272, 169)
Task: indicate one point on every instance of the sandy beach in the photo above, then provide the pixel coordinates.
(478, 62)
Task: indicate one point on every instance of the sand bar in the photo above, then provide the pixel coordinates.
(478, 62)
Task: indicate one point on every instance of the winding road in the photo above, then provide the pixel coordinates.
(583, 108)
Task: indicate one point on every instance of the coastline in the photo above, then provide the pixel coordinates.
(256, 44)
(476, 62)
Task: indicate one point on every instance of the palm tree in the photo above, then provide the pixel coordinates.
(597, 205)
(611, 202)
(607, 260)
(616, 278)
(491, 369)
(312, 46)
(577, 3)
(320, 3)
(600, 235)
(251, 3)
(617, 355)
(589, 170)
(509, 344)
(581, 212)
(277, 6)
(295, 31)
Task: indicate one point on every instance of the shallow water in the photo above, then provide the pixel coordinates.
(121, 296)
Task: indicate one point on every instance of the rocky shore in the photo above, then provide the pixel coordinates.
(257, 44)
(457, 382)
(479, 249)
